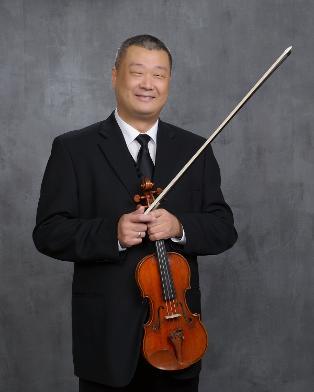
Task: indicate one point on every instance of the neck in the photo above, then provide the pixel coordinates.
(141, 124)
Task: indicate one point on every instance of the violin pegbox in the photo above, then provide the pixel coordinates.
(148, 193)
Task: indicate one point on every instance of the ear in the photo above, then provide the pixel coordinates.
(113, 77)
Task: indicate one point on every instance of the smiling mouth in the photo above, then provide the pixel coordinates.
(144, 98)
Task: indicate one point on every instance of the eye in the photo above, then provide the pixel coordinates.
(136, 73)
(159, 76)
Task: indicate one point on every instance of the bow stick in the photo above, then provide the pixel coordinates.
(266, 75)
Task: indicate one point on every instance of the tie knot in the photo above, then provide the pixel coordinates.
(143, 140)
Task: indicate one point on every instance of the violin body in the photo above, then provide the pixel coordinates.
(174, 338)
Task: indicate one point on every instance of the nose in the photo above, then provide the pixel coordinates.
(146, 82)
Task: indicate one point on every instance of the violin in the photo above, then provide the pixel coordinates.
(174, 337)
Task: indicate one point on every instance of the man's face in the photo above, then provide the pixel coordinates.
(141, 83)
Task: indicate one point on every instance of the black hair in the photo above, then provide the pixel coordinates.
(145, 41)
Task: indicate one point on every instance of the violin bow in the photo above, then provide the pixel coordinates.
(258, 84)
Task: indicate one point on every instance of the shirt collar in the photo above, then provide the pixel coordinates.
(130, 133)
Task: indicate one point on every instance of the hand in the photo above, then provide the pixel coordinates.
(132, 227)
(163, 225)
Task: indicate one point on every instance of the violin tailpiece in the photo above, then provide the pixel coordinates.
(176, 337)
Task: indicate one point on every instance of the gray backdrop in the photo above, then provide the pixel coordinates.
(258, 297)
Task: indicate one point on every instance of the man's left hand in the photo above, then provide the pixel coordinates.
(164, 225)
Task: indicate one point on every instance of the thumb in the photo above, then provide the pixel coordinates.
(139, 210)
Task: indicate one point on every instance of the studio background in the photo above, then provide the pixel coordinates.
(258, 298)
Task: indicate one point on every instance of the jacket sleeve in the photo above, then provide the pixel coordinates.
(210, 230)
(59, 231)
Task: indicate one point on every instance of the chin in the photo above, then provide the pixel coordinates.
(151, 113)
(146, 112)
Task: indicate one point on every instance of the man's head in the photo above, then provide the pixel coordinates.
(141, 77)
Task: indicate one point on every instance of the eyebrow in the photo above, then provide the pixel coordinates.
(141, 65)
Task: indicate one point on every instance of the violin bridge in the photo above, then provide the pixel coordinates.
(173, 316)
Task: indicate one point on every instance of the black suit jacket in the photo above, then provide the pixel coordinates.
(89, 182)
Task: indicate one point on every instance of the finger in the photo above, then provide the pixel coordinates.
(153, 229)
(141, 218)
(158, 213)
(139, 209)
(137, 234)
(130, 240)
(158, 236)
(153, 222)
(139, 227)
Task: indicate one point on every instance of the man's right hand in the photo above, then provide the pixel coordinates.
(132, 227)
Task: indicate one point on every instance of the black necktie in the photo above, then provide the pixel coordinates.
(144, 162)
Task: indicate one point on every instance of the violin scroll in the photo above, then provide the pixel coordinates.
(149, 194)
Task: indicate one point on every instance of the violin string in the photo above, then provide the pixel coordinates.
(162, 272)
(177, 320)
(164, 267)
(169, 291)
(160, 247)
(170, 282)
(163, 275)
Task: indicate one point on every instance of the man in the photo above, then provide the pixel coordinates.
(86, 214)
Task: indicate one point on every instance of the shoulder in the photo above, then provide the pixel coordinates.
(183, 133)
(184, 136)
(82, 135)
(187, 143)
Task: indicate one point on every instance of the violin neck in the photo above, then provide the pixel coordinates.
(165, 272)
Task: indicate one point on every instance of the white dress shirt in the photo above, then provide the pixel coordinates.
(130, 134)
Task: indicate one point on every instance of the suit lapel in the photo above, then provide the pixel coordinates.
(115, 150)
(167, 163)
